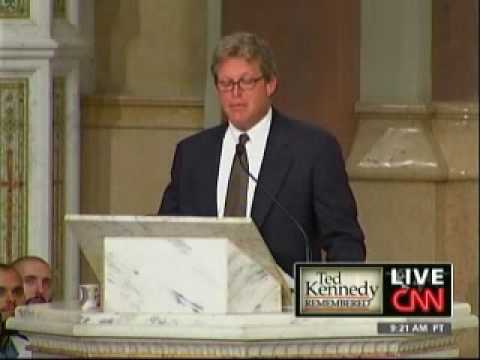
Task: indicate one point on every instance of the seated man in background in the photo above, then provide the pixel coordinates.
(12, 344)
(11, 291)
(36, 276)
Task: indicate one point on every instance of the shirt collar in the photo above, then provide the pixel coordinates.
(258, 131)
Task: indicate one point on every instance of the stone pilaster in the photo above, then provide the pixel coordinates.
(40, 51)
(455, 129)
(414, 163)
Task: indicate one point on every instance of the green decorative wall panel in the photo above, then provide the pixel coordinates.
(58, 176)
(60, 9)
(14, 9)
(13, 168)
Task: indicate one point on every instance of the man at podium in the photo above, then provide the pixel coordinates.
(287, 176)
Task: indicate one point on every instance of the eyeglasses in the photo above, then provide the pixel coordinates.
(242, 83)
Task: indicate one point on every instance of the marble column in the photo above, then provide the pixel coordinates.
(394, 163)
(395, 63)
(409, 151)
(41, 46)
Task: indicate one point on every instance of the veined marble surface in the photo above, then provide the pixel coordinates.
(185, 275)
(67, 319)
(91, 230)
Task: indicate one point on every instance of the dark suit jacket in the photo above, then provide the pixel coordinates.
(302, 167)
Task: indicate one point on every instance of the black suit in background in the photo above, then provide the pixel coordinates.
(302, 167)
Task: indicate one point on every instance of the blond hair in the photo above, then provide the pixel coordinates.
(247, 46)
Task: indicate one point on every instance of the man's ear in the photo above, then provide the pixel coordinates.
(271, 86)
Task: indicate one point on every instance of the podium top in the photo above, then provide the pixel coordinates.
(90, 230)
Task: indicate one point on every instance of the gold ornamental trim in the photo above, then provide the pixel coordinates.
(14, 9)
(59, 188)
(14, 145)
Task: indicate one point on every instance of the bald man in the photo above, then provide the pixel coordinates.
(12, 343)
(36, 277)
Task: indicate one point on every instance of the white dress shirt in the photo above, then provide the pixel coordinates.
(255, 147)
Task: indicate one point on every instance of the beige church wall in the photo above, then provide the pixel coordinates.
(405, 229)
(418, 221)
(150, 61)
(455, 127)
(127, 150)
(150, 47)
(458, 235)
(150, 76)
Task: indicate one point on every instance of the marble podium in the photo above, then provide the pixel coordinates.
(180, 264)
(243, 307)
(63, 330)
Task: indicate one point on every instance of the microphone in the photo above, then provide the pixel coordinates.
(240, 149)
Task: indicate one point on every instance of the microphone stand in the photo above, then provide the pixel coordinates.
(308, 253)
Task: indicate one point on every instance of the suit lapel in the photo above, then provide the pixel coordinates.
(210, 167)
(276, 163)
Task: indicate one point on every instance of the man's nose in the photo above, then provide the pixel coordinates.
(236, 90)
(38, 287)
(10, 298)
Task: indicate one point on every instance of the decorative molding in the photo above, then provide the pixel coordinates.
(121, 112)
(464, 111)
(26, 29)
(455, 128)
(393, 111)
(114, 100)
(432, 142)
(34, 50)
(62, 328)
(14, 9)
(395, 142)
(13, 168)
(59, 186)
(194, 349)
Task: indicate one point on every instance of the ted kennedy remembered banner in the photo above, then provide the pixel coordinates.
(390, 290)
